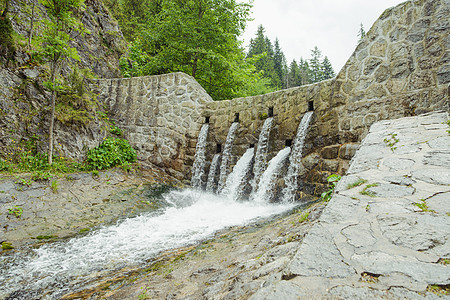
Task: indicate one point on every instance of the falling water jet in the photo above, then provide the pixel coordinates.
(234, 183)
(226, 156)
(211, 183)
(295, 159)
(261, 152)
(198, 168)
(268, 179)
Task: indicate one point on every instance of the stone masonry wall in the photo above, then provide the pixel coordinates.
(401, 68)
(160, 115)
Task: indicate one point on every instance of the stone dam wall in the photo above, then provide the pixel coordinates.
(401, 68)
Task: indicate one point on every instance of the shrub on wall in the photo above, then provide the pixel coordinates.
(110, 153)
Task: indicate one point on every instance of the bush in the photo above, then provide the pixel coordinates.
(110, 153)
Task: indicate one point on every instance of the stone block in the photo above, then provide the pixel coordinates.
(330, 152)
(347, 151)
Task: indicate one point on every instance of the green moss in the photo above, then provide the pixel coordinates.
(366, 192)
(7, 246)
(358, 182)
(46, 237)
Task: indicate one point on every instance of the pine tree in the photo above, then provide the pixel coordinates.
(280, 63)
(305, 72)
(261, 45)
(294, 75)
(327, 69)
(315, 65)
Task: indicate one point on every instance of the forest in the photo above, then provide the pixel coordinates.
(201, 38)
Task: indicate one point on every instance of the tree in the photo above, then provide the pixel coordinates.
(198, 37)
(55, 47)
(305, 72)
(315, 65)
(261, 44)
(361, 33)
(327, 69)
(280, 64)
(294, 75)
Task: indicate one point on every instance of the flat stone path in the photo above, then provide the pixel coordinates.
(385, 234)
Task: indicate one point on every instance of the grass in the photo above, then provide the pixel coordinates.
(303, 217)
(423, 206)
(358, 182)
(366, 192)
(440, 290)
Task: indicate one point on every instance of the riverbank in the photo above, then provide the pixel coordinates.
(36, 211)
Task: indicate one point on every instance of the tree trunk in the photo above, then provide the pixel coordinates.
(52, 117)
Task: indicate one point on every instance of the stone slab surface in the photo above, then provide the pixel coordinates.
(388, 237)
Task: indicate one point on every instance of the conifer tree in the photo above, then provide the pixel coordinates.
(280, 63)
(315, 65)
(327, 69)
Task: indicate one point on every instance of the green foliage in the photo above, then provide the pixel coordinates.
(115, 130)
(76, 102)
(7, 44)
(391, 141)
(111, 152)
(332, 182)
(361, 33)
(423, 206)
(23, 181)
(197, 37)
(304, 217)
(16, 211)
(7, 246)
(55, 185)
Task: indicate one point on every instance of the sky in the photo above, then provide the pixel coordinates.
(331, 25)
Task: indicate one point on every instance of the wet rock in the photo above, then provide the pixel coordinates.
(401, 180)
(348, 292)
(433, 175)
(383, 263)
(282, 290)
(396, 164)
(319, 256)
(390, 190)
(415, 232)
(438, 158)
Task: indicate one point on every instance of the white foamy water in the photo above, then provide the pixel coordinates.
(193, 216)
(198, 168)
(261, 152)
(267, 182)
(237, 176)
(295, 159)
(212, 173)
(226, 156)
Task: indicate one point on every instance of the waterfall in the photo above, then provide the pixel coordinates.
(233, 187)
(198, 169)
(261, 152)
(56, 269)
(212, 173)
(268, 178)
(226, 156)
(295, 159)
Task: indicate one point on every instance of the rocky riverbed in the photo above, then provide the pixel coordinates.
(34, 211)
